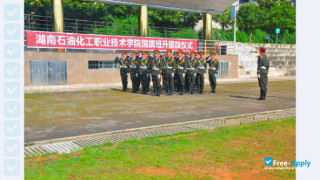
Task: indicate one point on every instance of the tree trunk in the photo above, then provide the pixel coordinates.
(250, 36)
(282, 38)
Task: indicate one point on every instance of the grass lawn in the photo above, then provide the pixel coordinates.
(236, 152)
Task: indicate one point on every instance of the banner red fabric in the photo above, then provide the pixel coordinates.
(89, 41)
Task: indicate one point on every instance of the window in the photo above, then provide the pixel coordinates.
(102, 65)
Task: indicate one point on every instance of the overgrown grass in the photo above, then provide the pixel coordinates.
(229, 152)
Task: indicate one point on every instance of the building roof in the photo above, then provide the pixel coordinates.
(198, 6)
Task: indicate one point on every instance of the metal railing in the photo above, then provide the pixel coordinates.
(220, 47)
(44, 23)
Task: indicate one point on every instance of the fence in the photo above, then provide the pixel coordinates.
(44, 23)
(221, 47)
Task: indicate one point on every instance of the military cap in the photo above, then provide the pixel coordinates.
(192, 52)
(213, 53)
(134, 53)
(201, 53)
(124, 53)
(156, 51)
(145, 52)
(263, 49)
(169, 50)
(179, 52)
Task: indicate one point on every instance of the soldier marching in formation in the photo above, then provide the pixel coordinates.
(213, 71)
(263, 68)
(124, 61)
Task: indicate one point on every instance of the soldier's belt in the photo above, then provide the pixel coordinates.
(156, 69)
(201, 68)
(134, 67)
(169, 67)
(263, 67)
(181, 68)
(213, 68)
(191, 68)
(143, 67)
(124, 67)
(164, 68)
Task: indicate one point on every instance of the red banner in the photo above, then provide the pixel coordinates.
(88, 41)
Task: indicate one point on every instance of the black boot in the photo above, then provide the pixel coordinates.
(201, 88)
(193, 89)
(211, 85)
(181, 90)
(264, 93)
(158, 92)
(154, 91)
(214, 87)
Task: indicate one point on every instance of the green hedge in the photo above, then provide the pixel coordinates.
(257, 36)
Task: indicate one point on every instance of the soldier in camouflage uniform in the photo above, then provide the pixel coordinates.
(124, 62)
(145, 68)
(201, 73)
(156, 72)
(181, 66)
(213, 71)
(134, 72)
(263, 68)
(192, 66)
(170, 68)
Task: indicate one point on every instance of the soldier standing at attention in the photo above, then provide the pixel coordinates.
(124, 62)
(181, 64)
(163, 58)
(192, 66)
(144, 71)
(149, 73)
(213, 71)
(202, 70)
(156, 72)
(263, 68)
(187, 88)
(134, 72)
(169, 64)
(176, 76)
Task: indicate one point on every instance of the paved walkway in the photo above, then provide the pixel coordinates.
(82, 87)
(71, 144)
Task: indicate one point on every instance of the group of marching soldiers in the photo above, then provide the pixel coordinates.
(180, 72)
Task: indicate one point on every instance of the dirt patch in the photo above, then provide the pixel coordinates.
(155, 171)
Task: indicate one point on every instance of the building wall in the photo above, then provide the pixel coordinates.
(77, 66)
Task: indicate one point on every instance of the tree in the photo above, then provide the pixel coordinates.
(283, 16)
(249, 18)
(224, 19)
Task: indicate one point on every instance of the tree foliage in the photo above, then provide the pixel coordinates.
(224, 19)
(113, 13)
(249, 18)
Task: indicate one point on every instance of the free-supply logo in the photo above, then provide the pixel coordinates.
(271, 163)
(268, 161)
